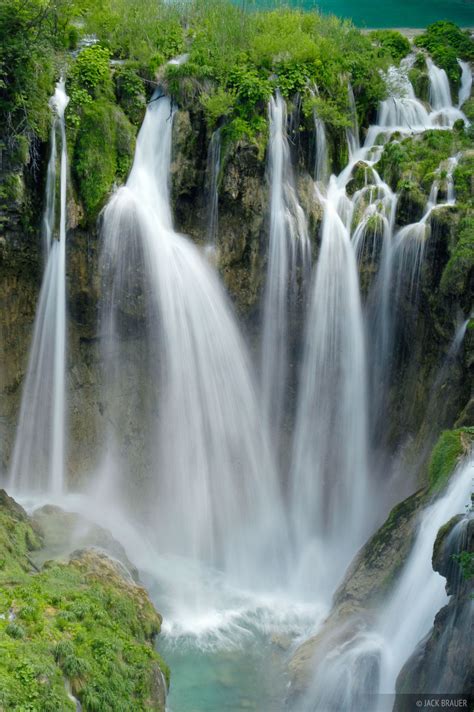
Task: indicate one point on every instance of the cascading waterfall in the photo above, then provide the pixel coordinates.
(38, 457)
(213, 478)
(420, 592)
(352, 133)
(466, 83)
(361, 672)
(289, 259)
(329, 467)
(321, 164)
(213, 168)
(410, 242)
(440, 93)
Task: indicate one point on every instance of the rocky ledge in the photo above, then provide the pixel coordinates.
(76, 633)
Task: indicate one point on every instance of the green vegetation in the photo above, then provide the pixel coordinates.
(80, 622)
(102, 153)
(460, 267)
(236, 61)
(446, 43)
(416, 158)
(466, 562)
(391, 41)
(451, 446)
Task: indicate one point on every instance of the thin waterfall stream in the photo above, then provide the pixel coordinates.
(38, 461)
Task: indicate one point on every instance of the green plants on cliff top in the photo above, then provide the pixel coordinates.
(446, 42)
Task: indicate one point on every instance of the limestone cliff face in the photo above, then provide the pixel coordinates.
(240, 256)
(444, 661)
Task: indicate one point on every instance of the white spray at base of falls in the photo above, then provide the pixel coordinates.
(329, 466)
(289, 260)
(213, 493)
(38, 461)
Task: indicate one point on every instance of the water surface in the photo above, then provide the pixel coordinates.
(391, 13)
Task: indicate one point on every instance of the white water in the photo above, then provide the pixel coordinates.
(321, 164)
(420, 592)
(352, 133)
(212, 494)
(466, 83)
(289, 259)
(360, 671)
(38, 455)
(329, 467)
(440, 93)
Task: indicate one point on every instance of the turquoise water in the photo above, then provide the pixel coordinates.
(251, 677)
(391, 13)
(227, 648)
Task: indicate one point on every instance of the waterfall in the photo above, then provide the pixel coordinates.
(212, 179)
(440, 93)
(329, 467)
(321, 164)
(289, 259)
(420, 592)
(212, 493)
(352, 133)
(39, 451)
(466, 83)
(360, 672)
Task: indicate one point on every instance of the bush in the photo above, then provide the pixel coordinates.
(392, 42)
(445, 41)
(103, 153)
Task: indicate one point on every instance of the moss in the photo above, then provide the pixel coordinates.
(102, 154)
(451, 446)
(468, 109)
(459, 271)
(421, 83)
(82, 622)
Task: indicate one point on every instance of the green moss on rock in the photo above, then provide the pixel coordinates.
(103, 153)
(451, 446)
(82, 627)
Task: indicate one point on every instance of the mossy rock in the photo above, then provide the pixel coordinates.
(103, 153)
(361, 175)
(411, 203)
(83, 626)
(452, 445)
(457, 280)
(421, 83)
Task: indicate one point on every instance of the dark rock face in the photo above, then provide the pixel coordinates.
(443, 663)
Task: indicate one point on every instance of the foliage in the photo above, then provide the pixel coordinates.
(91, 71)
(137, 30)
(451, 446)
(466, 562)
(102, 153)
(416, 158)
(80, 621)
(391, 41)
(459, 271)
(446, 42)
(130, 92)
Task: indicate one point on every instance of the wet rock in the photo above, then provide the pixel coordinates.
(443, 662)
(65, 532)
